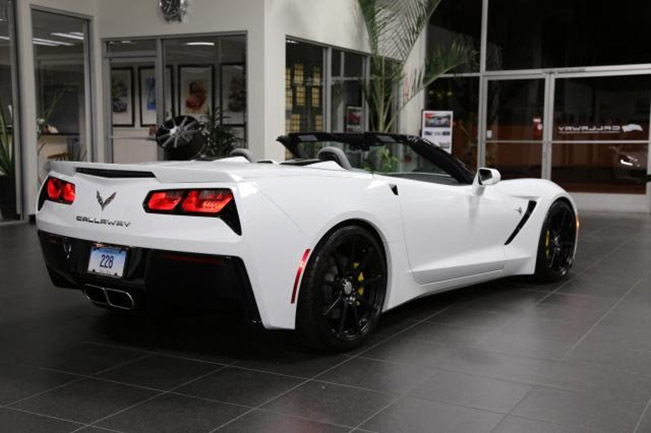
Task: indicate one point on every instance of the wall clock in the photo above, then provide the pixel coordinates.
(173, 10)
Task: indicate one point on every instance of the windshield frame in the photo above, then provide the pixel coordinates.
(366, 140)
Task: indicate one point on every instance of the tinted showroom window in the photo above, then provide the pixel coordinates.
(458, 20)
(526, 34)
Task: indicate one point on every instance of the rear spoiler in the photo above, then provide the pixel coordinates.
(166, 173)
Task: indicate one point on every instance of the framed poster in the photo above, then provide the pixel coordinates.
(232, 95)
(354, 118)
(195, 89)
(122, 94)
(437, 128)
(147, 91)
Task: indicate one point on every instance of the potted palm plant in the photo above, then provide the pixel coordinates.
(393, 28)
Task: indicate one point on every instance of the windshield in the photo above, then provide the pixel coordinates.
(390, 155)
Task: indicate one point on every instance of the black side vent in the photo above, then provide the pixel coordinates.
(530, 207)
(117, 174)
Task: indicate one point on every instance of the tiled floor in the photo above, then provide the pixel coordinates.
(507, 357)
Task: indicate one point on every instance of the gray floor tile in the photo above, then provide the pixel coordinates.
(469, 318)
(269, 422)
(173, 413)
(333, 404)
(79, 358)
(446, 335)
(377, 375)
(16, 421)
(482, 393)
(645, 423)
(499, 365)
(20, 381)
(612, 356)
(415, 415)
(161, 372)
(410, 352)
(512, 424)
(240, 386)
(85, 401)
(590, 412)
(524, 345)
(294, 363)
(599, 381)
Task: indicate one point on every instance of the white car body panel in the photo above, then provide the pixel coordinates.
(436, 237)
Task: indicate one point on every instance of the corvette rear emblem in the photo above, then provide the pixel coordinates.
(103, 203)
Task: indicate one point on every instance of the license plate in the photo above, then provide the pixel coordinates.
(107, 261)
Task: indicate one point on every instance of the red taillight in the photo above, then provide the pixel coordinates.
(54, 189)
(165, 201)
(60, 191)
(206, 201)
(209, 202)
(68, 192)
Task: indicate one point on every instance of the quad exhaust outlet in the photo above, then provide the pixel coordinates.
(109, 297)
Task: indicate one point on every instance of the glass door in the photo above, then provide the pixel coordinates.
(513, 130)
(154, 80)
(9, 157)
(600, 135)
(132, 102)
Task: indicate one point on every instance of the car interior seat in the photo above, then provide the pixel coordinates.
(335, 154)
(242, 152)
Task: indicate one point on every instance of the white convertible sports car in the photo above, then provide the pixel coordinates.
(354, 225)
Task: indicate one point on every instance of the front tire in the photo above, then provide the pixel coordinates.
(342, 291)
(557, 242)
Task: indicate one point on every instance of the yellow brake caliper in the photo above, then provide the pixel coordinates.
(360, 278)
(547, 250)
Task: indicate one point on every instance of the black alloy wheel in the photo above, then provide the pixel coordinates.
(557, 242)
(342, 292)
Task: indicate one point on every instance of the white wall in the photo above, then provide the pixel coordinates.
(331, 22)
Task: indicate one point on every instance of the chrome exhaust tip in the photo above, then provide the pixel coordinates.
(109, 297)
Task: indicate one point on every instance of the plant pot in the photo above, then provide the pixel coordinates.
(8, 197)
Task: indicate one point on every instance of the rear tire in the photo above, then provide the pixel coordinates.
(342, 291)
(557, 242)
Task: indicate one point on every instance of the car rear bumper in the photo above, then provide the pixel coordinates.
(153, 276)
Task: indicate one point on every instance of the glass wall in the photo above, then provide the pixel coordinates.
(531, 34)
(8, 154)
(460, 95)
(62, 88)
(204, 77)
(581, 66)
(304, 78)
(601, 132)
(347, 99)
(456, 20)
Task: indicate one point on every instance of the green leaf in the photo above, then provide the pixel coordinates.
(393, 28)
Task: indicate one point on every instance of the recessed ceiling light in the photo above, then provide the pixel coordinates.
(52, 42)
(69, 36)
(205, 44)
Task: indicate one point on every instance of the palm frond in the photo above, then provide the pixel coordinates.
(394, 26)
(441, 62)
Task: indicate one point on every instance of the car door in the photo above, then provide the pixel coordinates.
(452, 232)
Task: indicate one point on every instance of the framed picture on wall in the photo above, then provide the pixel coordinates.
(232, 93)
(195, 89)
(122, 95)
(354, 118)
(147, 97)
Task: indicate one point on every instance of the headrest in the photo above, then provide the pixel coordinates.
(335, 154)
